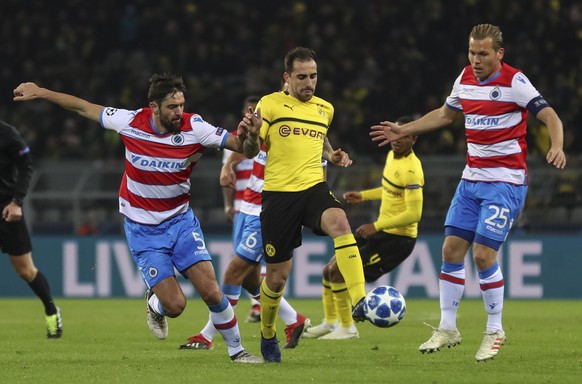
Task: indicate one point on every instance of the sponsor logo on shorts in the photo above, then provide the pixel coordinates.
(152, 272)
(494, 230)
(333, 196)
(374, 259)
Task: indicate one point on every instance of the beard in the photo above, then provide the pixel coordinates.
(172, 126)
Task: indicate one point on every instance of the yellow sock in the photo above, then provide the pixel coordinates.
(329, 310)
(347, 256)
(343, 304)
(269, 308)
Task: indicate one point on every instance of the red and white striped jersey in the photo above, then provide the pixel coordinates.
(495, 123)
(156, 182)
(252, 198)
(242, 172)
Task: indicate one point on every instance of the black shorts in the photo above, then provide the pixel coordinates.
(383, 252)
(284, 214)
(14, 237)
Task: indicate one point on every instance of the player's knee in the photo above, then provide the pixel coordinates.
(26, 274)
(175, 307)
(452, 254)
(276, 283)
(211, 296)
(482, 262)
(335, 276)
(326, 271)
(335, 222)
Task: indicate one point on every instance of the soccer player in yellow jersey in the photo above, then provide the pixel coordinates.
(383, 244)
(295, 194)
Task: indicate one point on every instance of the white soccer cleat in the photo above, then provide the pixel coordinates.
(319, 330)
(246, 358)
(157, 323)
(490, 345)
(441, 338)
(341, 333)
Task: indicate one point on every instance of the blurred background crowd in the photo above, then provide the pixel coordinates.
(378, 60)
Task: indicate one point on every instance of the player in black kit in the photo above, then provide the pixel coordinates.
(15, 174)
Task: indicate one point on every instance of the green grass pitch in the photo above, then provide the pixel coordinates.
(107, 341)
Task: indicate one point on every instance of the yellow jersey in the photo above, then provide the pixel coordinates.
(293, 132)
(401, 195)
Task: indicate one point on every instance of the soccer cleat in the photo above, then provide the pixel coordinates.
(440, 338)
(341, 333)
(197, 342)
(157, 323)
(296, 330)
(246, 358)
(54, 325)
(254, 315)
(270, 350)
(490, 345)
(319, 330)
(358, 311)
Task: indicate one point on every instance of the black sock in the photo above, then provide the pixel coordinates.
(41, 288)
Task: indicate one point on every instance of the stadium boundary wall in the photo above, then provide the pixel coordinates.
(533, 267)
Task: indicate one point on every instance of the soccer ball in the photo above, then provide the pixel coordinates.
(384, 306)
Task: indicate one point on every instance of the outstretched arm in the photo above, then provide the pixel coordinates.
(387, 131)
(31, 91)
(555, 155)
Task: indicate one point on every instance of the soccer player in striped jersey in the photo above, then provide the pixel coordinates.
(384, 244)
(294, 129)
(163, 144)
(245, 267)
(241, 167)
(495, 99)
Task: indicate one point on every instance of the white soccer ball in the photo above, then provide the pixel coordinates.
(384, 306)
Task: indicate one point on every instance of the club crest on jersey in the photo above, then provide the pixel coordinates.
(495, 94)
(178, 139)
(321, 112)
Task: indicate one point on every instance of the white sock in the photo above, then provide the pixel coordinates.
(287, 313)
(224, 320)
(254, 302)
(232, 294)
(452, 285)
(208, 331)
(492, 290)
(155, 305)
